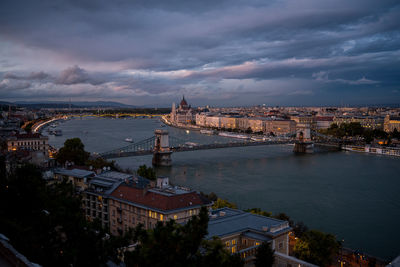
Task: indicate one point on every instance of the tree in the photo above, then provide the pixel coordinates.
(221, 203)
(249, 130)
(259, 212)
(146, 172)
(46, 224)
(395, 134)
(316, 247)
(264, 256)
(173, 244)
(99, 163)
(73, 151)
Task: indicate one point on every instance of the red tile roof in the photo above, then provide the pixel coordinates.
(158, 200)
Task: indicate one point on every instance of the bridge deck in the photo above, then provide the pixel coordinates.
(196, 147)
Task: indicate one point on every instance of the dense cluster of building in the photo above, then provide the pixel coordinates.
(121, 201)
(20, 145)
(282, 120)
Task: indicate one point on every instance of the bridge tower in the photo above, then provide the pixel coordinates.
(162, 152)
(303, 143)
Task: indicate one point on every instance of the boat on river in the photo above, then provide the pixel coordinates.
(210, 132)
(232, 135)
(129, 140)
(58, 132)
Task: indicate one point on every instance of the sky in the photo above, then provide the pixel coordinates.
(218, 53)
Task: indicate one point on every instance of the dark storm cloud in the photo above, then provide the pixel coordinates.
(76, 75)
(160, 48)
(32, 76)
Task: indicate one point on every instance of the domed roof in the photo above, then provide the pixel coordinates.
(183, 102)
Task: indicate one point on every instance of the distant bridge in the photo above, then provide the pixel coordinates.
(161, 145)
(146, 147)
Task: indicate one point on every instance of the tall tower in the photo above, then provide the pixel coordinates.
(173, 112)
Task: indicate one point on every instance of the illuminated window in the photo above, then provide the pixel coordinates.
(149, 213)
(257, 243)
(161, 217)
(233, 249)
(190, 212)
(155, 215)
(227, 243)
(175, 217)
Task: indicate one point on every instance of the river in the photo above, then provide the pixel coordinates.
(353, 196)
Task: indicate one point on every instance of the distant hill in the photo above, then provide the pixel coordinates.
(74, 104)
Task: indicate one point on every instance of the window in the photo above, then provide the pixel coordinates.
(257, 243)
(227, 243)
(161, 217)
(280, 245)
(150, 213)
(175, 217)
(233, 249)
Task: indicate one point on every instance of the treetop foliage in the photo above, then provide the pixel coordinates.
(147, 172)
(73, 151)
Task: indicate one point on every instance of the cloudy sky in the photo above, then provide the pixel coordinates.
(226, 53)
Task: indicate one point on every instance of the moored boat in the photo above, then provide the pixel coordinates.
(232, 135)
(210, 132)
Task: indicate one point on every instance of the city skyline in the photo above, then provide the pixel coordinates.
(227, 53)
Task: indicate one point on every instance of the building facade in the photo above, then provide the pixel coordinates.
(391, 123)
(183, 114)
(242, 233)
(279, 126)
(32, 142)
(130, 206)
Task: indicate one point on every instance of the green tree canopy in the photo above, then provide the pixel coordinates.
(316, 247)
(73, 151)
(221, 203)
(146, 172)
(45, 223)
(264, 256)
(259, 212)
(173, 244)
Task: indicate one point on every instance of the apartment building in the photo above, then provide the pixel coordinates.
(31, 142)
(243, 232)
(130, 205)
(79, 178)
(95, 200)
(279, 126)
(368, 122)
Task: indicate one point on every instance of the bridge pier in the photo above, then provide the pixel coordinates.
(303, 147)
(162, 152)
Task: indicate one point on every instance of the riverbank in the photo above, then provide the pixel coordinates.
(387, 151)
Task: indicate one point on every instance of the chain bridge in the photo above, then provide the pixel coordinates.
(162, 145)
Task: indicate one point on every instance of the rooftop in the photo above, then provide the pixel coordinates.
(228, 221)
(157, 200)
(115, 175)
(74, 172)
